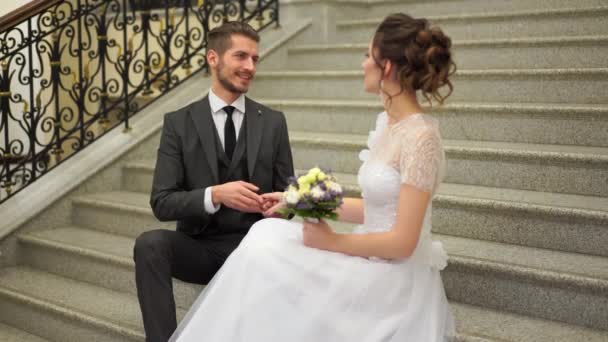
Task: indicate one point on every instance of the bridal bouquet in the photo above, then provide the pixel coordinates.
(315, 195)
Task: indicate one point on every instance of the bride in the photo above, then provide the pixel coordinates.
(289, 281)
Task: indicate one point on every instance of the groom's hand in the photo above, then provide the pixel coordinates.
(238, 195)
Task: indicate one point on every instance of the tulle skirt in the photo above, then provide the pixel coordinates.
(273, 288)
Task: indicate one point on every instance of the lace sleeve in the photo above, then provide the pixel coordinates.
(421, 160)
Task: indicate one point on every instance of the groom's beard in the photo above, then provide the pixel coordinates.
(225, 81)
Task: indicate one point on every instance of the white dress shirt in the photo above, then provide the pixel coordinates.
(219, 119)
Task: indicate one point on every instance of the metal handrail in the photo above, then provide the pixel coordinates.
(71, 71)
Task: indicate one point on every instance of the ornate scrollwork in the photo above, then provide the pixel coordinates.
(81, 67)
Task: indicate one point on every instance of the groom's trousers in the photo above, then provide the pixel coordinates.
(162, 254)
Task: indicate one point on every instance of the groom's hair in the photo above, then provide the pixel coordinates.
(219, 39)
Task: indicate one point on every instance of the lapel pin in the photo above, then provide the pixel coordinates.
(259, 111)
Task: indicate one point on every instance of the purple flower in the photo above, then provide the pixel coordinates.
(302, 206)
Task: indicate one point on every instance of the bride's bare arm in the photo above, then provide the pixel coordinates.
(351, 210)
(397, 243)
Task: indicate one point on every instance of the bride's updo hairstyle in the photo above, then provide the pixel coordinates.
(420, 54)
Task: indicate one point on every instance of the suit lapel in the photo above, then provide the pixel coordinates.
(255, 127)
(201, 116)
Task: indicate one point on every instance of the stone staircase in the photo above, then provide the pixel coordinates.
(525, 133)
(523, 212)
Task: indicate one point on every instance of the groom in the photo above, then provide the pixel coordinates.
(216, 156)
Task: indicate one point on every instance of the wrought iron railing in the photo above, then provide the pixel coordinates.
(73, 70)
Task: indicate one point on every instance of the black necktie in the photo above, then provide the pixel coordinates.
(229, 133)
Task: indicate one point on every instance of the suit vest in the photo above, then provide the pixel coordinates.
(227, 220)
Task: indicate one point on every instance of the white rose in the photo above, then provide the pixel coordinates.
(317, 193)
(292, 196)
(335, 187)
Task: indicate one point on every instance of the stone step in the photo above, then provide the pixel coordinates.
(511, 53)
(584, 86)
(380, 8)
(496, 164)
(66, 303)
(481, 325)
(576, 272)
(95, 257)
(11, 334)
(580, 125)
(118, 212)
(524, 280)
(62, 309)
(496, 25)
(138, 175)
(569, 223)
(529, 281)
(556, 221)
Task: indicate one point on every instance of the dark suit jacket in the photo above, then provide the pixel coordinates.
(187, 162)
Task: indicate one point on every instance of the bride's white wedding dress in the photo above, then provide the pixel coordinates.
(273, 288)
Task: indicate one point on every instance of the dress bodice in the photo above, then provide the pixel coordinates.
(380, 190)
(406, 152)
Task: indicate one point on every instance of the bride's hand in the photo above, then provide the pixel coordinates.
(318, 235)
(273, 202)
